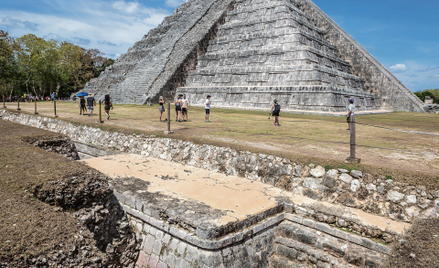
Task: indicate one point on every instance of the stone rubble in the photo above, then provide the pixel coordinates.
(60, 146)
(89, 199)
(432, 108)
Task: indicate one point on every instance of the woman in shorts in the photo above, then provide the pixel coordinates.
(161, 107)
(107, 106)
(178, 108)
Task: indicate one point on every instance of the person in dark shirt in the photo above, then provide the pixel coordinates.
(108, 105)
(82, 108)
(90, 103)
(275, 110)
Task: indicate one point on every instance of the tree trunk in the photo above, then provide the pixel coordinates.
(27, 86)
(12, 89)
(57, 88)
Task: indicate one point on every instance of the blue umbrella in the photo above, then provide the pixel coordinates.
(81, 94)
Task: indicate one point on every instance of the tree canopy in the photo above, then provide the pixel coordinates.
(31, 64)
(432, 93)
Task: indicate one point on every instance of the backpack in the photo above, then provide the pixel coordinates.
(276, 108)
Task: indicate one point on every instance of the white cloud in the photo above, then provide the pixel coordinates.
(175, 3)
(398, 67)
(10, 22)
(127, 7)
(112, 28)
(417, 76)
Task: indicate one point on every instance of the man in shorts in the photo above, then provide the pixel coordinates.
(207, 107)
(351, 110)
(90, 103)
(184, 107)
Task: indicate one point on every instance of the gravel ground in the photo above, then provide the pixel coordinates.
(55, 212)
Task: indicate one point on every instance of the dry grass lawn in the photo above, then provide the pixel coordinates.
(402, 145)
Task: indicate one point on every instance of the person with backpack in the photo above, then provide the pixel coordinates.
(275, 110)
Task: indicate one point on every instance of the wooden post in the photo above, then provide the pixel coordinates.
(18, 103)
(35, 112)
(4, 105)
(54, 107)
(100, 112)
(169, 120)
(352, 158)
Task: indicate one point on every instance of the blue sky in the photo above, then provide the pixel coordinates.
(403, 35)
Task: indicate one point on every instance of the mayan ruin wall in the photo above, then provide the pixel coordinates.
(245, 53)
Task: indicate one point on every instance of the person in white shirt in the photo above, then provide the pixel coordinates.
(207, 107)
(351, 111)
(184, 107)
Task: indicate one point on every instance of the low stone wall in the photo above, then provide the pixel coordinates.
(301, 240)
(278, 241)
(353, 189)
(165, 246)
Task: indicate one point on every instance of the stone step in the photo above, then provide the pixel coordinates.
(254, 7)
(234, 52)
(284, 61)
(311, 68)
(284, 17)
(277, 261)
(280, 35)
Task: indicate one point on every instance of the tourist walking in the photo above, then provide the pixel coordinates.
(90, 104)
(107, 106)
(178, 108)
(161, 107)
(207, 108)
(351, 110)
(275, 111)
(82, 109)
(184, 107)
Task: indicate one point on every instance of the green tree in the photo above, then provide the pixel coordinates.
(45, 66)
(30, 58)
(8, 68)
(432, 93)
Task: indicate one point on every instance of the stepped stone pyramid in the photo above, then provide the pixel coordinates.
(245, 53)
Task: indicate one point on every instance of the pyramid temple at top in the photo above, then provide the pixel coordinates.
(245, 53)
